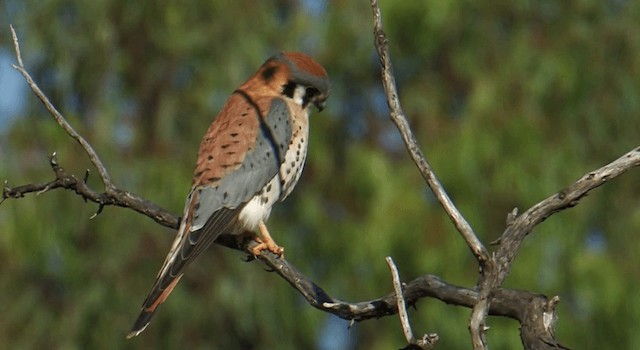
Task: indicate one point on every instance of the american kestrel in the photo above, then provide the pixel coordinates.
(251, 156)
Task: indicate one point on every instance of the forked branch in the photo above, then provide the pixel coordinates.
(95, 160)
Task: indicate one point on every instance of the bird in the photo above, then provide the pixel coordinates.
(251, 157)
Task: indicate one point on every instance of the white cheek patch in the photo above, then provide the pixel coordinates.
(298, 94)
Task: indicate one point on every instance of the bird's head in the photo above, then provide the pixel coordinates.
(297, 76)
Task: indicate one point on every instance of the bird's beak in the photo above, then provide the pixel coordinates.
(320, 103)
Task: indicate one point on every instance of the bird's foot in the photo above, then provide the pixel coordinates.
(266, 242)
(270, 246)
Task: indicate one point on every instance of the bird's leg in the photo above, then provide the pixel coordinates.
(266, 242)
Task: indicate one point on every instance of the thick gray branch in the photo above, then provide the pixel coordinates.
(523, 224)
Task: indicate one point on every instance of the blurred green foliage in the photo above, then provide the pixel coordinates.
(511, 101)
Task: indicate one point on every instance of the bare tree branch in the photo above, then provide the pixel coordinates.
(402, 309)
(427, 341)
(522, 225)
(398, 117)
(533, 311)
(104, 175)
(518, 227)
(117, 197)
(477, 324)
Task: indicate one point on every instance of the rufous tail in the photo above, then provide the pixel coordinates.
(156, 297)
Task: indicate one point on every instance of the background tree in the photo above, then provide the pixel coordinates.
(511, 102)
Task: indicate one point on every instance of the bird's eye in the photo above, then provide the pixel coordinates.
(312, 92)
